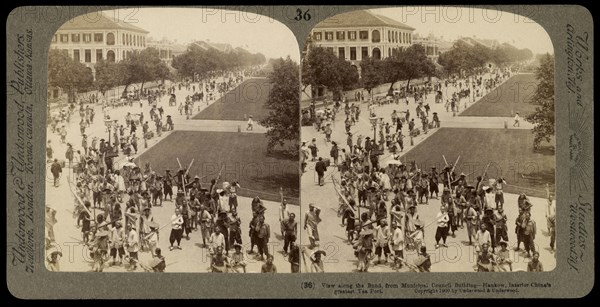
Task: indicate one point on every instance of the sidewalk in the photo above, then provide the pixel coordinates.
(180, 122)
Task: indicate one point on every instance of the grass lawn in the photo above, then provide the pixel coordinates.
(247, 99)
(510, 97)
(243, 158)
(509, 152)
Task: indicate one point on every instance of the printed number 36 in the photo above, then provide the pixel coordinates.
(302, 15)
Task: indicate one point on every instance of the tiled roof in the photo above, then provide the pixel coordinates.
(99, 22)
(361, 18)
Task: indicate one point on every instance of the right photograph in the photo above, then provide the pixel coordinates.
(428, 142)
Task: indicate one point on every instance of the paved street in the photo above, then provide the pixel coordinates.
(458, 256)
(193, 257)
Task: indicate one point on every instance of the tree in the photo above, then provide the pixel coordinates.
(142, 67)
(284, 102)
(107, 76)
(370, 73)
(407, 64)
(321, 68)
(200, 61)
(543, 118)
(67, 74)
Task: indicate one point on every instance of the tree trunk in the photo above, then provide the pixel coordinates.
(142, 87)
(407, 84)
(124, 94)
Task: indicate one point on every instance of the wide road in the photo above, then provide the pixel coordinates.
(192, 258)
(458, 257)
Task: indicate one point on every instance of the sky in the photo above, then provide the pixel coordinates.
(253, 32)
(453, 22)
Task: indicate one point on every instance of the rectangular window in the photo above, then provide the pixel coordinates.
(317, 36)
(342, 53)
(76, 56)
(98, 55)
(64, 38)
(87, 38)
(364, 52)
(98, 37)
(55, 38)
(352, 35)
(363, 34)
(352, 53)
(340, 35)
(328, 36)
(330, 49)
(88, 55)
(75, 38)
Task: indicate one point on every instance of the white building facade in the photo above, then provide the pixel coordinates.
(355, 35)
(165, 50)
(104, 39)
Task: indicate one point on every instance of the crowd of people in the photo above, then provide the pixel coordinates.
(378, 201)
(114, 210)
(113, 204)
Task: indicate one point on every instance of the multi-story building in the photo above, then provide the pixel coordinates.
(358, 34)
(88, 40)
(431, 44)
(164, 47)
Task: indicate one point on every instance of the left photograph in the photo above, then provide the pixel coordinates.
(172, 143)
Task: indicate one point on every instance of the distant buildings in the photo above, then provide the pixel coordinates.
(489, 43)
(89, 40)
(358, 34)
(206, 45)
(431, 44)
(165, 49)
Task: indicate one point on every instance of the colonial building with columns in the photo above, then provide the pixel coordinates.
(431, 45)
(164, 47)
(355, 35)
(89, 39)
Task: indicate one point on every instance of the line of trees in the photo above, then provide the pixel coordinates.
(74, 77)
(140, 67)
(402, 65)
(471, 57)
(197, 61)
(322, 68)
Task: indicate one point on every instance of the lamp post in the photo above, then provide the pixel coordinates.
(373, 121)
